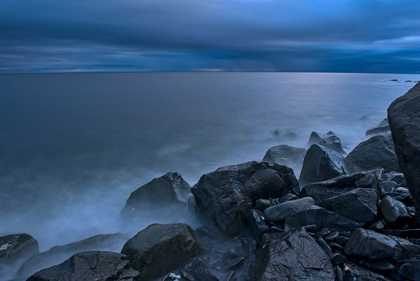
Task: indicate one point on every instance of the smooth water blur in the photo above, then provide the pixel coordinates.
(74, 146)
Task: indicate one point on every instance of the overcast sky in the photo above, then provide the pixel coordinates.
(210, 35)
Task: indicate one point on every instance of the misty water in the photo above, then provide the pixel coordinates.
(74, 146)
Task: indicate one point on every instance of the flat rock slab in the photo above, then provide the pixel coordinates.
(281, 212)
(293, 256)
(160, 248)
(89, 266)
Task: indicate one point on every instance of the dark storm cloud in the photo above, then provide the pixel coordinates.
(184, 35)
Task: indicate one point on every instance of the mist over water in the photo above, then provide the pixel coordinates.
(74, 146)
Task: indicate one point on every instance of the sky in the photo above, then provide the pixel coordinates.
(209, 35)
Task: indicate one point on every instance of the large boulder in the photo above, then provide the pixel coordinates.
(372, 245)
(17, 248)
(321, 163)
(168, 192)
(292, 256)
(286, 155)
(374, 153)
(160, 248)
(404, 120)
(88, 266)
(225, 197)
(58, 254)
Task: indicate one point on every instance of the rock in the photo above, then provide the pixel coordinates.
(321, 191)
(292, 256)
(402, 194)
(320, 164)
(382, 128)
(382, 266)
(256, 225)
(394, 211)
(88, 266)
(315, 138)
(287, 136)
(197, 271)
(281, 211)
(160, 248)
(224, 197)
(341, 240)
(262, 204)
(374, 153)
(371, 245)
(410, 270)
(377, 226)
(407, 233)
(405, 127)
(353, 272)
(327, 249)
(322, 219)
(289, 156)
(169, 192)
(394, 80)
(387, 186)
(17, 248)
(358, 205)
(338, 259)
(332, 236)
(58, 254)
(333, 142)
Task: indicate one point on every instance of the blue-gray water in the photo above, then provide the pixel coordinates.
(74, 146)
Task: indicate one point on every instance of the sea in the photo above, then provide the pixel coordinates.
(74, 146)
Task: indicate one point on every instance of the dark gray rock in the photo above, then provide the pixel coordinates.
(322, 219)
(333, 142)
(88, 266)
(321, 191)
(374, 153)
(337, 258)
(382, 128)
(410, 270)
(262, 204)
(387, 186)
(160, 248)
(197, 271)
(58, 254)
(321, 163)
(358, 205)
(406, 233)
(168, 192)
(224, 197)
(403, 116)
(314, 138)
(377, 226)
(327, 249)
(352, 272)
(382, 266)
(286, 155)
(394, 212)
(256, 226)
(17, 248)
(292, 256)
(282, 211)
(394, 176)
(371, 245)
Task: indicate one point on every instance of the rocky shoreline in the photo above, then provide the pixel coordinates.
(349, 216)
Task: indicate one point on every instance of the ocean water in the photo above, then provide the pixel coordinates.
(74, 146)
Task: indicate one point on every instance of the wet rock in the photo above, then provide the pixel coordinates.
(394, 211)
(382, 128)
(88, 266)
(338, 259)
(160, 248)
(197, 271)
(327, 249)
(282, 211)
(224, 197)
(352, 272)
(58, 254)
(256, 225)
(17, 248)
(332, 141)
(292, 256)
(321, 191)
(410, 270)
(338, 273)
(332, 236)
(377, 226)
(314, 138)
(375, 246)
(405, 127)
(407, 233)
(374, 153)
(358, 205)
(262, 204)
(341, 240)
(321, 163)
(322, 219)
(394, 176)
(286, 155)
(382, 266)
(169, 192)
(388, 186)
(336, 247)
(402, 194)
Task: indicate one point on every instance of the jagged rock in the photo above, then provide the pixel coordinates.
(382, 128)
(292, 256)
(197, 271)
(371, 245)
(256, 225)
(394, 176)
(322, 219)
(374, 153)
(17, 248)
(88, 266)
(168, 192)
(281, 211)
(394, 211)
(321, 191)
(410, 270)
(353, 272)
(333, 142)
(58, 254)
(321, 163)
(224, 197)
(286, 155)
(314, 138)
(160, 248)
(403, 116)
(358, 205)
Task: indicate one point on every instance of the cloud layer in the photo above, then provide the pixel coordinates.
(210, 35)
